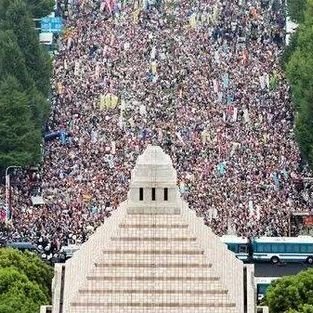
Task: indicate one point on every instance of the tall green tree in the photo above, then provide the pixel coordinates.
(19, 138)
(25, 70)
(37, 8)
(30, 265)
(299, 71)
(12, 61)
(18, 294)
(18, 19)
(296, 9)
(40, 8)
(24, 282)
(291, 294)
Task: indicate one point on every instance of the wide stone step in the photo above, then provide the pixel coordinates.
(152, 282)
(153, 252)
(153, 232)
(155, 258)
(154, 238)
(153, 219)
(152, 269)
(149, 264)
(81, 309)
(154, 245)
(102, 291)
(146, 226)
(126, 299)
(140, 304)
(151, 285)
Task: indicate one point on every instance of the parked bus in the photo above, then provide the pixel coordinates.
(274, 249)
(238, 245)
(261, 284)
(288, 249)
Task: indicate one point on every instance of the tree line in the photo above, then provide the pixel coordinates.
(25, 70)
(25, 282)
(298, 65)
(291, 294)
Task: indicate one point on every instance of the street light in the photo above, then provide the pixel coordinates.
(8, 192)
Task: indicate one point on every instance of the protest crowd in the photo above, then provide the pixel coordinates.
(199, 78)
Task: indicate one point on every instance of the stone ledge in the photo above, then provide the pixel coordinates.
(152, 210)
(153, 226)
(152, 278)
(155, 252)
(155, 305)
(135, 291)
(153, 265)
(153, 239)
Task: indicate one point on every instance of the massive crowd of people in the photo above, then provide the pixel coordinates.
(199, 78)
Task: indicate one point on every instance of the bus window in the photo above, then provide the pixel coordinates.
(278, 248)
(268, 247)
(296, 248)
(304, 248)
(289, 248)
(232, 247)
(260, 247)
(243, 249)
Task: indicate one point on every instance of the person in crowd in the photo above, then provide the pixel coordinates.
(199, 78)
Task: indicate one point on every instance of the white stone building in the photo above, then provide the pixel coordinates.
(153, 255)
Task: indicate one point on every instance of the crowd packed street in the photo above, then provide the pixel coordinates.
(199, 78)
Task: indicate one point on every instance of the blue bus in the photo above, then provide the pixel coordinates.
(287, 249)
(261, 284)
(274, 249)
(238, 245)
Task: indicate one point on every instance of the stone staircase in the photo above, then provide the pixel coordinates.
(153, 264)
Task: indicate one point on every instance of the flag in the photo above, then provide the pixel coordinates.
(180, 138)
(97, 71)
(110, 5)
(113, 147)
(136, 16)
(153, 67)
(215, 86)
(193, 20)
(76, 68)
(221, 168)
(235, 114)
(102, 103)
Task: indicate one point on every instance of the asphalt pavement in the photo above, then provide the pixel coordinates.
(283, 269)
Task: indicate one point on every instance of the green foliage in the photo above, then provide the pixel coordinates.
(30, 265)
(306, 308)
(40, 8)
(289, 50)
(18, 294)
(12, 61)
(25, 70)
(24, 282)
(19, 139)
(299, 70)
(296, 10)
(291, 294)
(19, 20)
(37, 8)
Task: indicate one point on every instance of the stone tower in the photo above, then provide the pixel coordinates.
(153, 255)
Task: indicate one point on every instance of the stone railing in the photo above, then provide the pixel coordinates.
(82, 262)
(225, 264)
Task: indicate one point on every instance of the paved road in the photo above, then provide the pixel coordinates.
(270, 270)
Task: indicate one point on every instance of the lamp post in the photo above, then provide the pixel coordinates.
(8, 192)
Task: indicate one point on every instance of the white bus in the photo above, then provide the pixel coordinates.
(238, 245)
(261, 284)
(289, 249)
(274, 249)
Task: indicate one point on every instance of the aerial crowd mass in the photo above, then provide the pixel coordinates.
(199, 78)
